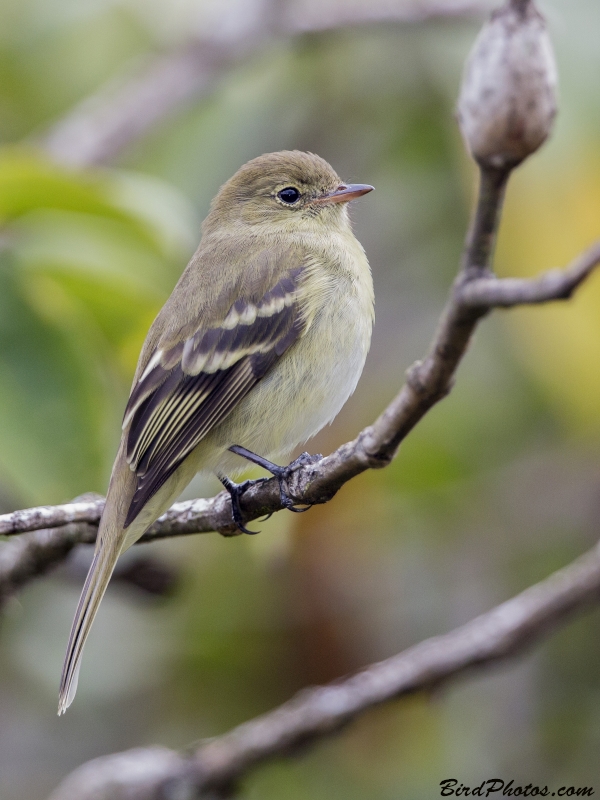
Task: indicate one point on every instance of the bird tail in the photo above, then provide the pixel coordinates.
(113, 539)
(93, 591)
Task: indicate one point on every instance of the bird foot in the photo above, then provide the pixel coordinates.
(236, 490)
(283, 474)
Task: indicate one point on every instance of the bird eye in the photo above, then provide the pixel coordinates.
(289, 195)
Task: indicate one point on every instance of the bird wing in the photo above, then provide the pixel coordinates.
(189, 387)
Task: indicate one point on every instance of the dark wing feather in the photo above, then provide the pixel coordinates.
(190, 388)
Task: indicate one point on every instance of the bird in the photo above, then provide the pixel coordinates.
(260, 344)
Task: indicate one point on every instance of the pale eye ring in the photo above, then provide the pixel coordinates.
(289, 195)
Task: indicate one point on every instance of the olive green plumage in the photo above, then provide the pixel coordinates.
(260, 344)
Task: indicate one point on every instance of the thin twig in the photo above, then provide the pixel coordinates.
(506, 630)
(552, 285)
(132, 104)
(128, 107)
(324, 16)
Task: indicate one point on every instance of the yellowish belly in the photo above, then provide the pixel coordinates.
(303, 392)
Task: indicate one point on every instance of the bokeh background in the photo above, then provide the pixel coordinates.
(498, 486)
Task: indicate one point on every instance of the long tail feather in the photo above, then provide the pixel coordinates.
(93, 591)
(113, 539)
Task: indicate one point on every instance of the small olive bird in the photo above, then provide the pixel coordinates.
(258, 347)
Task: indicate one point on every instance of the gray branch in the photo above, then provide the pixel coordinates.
(32, 519)
(322, 16)
(132, 104)
(474, 294)
(34, 554)
(37, 552)
(215, 767)
(555, 284)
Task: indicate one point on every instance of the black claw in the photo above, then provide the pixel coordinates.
(236, 490)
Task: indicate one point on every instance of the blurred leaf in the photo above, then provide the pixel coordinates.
(49, 406)
(92, 258)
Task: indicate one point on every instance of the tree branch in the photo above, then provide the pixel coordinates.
(128, 107)
(34, 554)
(427, 382)
(552, 285)
(323, 16)
(215, 767)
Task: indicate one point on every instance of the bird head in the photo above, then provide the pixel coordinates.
(283, 189)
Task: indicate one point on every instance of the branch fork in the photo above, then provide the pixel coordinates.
(474, 294)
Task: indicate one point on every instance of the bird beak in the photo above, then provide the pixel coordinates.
(344, 193)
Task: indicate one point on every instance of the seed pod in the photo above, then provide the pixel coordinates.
(507, 102)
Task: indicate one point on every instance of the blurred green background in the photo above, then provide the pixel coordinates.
(498, 486)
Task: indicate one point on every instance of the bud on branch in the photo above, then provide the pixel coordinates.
(507, 101)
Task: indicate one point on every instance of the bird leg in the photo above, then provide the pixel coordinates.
(236, 490)
(282, 474)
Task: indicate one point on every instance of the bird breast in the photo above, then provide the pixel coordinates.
(307, 388)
